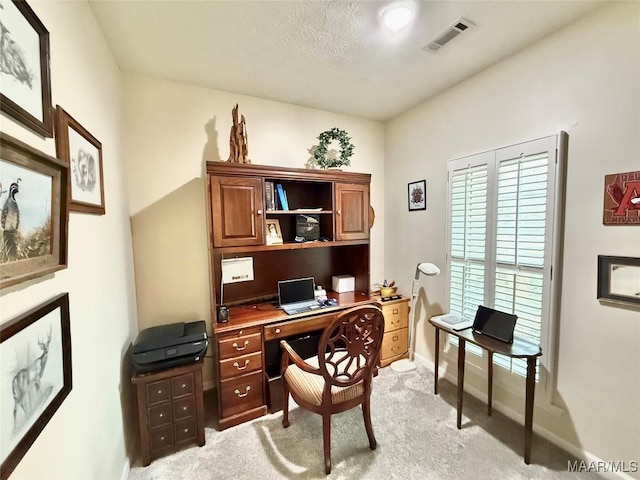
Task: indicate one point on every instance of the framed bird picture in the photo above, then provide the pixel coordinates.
(25, 82)
(83, 153)
(34, 212)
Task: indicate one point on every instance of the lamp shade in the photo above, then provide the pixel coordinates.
(429, 269)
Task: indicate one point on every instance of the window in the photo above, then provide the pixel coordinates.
(504, 223)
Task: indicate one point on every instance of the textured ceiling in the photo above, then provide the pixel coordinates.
(332, 55)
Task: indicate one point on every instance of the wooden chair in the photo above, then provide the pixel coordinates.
(340, 377)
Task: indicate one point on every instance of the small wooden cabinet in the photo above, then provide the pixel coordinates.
(170, 409)
(395, 344)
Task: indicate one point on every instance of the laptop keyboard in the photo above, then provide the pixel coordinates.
(305, 307)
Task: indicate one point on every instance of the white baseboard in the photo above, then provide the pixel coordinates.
(575, 450)
(125, 470)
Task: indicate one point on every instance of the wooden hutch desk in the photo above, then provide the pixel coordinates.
(520, 348)
(239, 206)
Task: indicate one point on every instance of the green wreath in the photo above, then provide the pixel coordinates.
(346, 149)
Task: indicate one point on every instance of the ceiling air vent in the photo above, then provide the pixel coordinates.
(451, 32)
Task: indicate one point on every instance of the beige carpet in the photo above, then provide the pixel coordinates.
(416, 433)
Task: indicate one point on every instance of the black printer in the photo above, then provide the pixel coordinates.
(170, 345)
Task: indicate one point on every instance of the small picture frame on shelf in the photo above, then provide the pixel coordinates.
(274, 234)
(619, 280)
(417, 195)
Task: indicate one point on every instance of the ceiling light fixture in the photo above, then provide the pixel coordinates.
(397, 16)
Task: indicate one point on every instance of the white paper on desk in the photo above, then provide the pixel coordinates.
(237, 270)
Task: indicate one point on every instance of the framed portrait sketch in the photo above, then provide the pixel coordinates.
(274, 234)
(25, 84)
(418, 195)
(619, 279)
(35, 354)
(34, 213)
(83, 153)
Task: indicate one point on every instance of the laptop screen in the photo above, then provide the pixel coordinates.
(296, 290)
(494, 323)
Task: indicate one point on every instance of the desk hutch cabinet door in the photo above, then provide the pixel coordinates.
(237, 208)
(352, 211)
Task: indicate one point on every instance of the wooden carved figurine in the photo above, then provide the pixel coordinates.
(238, 149)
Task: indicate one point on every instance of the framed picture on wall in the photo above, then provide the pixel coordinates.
(25, 84)
(621, 200)
(418, 195)
(33, 199)
(619, 279)
(83, 153)
(35, 354)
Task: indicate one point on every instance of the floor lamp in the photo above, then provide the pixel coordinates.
(407, 364)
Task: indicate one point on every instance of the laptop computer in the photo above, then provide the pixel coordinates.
(493, 323)
(296, 296)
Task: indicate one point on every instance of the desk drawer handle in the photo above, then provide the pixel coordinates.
(277, 331)
(395, 311)
(159, 392)
(246, 364)
(393, 349)
(395, 338)
(246, 392)
(238, 347)
(184, 409)
(183, 386)
(395, 322)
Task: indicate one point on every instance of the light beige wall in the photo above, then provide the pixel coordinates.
(172, 129)
(85, 438)
(585, 80)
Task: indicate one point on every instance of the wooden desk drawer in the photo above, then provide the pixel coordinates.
(182, 385)
(394, 343)
(161, 437)
(241, 332)
(241, 394)
(184, 408)
(296, 327)
(185, 430)
(233, 367)
(395, 316)
(158, 392)
(236, 346)
(160, 415)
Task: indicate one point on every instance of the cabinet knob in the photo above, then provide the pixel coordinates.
(339, 212)
(162, 439)
(183, 386)
(395, 311)
(259, 212)
(186, 430)
(184, 409)
(161, 415)
(159, 392)
(277, 331)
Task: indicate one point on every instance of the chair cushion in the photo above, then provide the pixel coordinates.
(309, 386)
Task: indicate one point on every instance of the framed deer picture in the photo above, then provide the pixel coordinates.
(35, 377)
